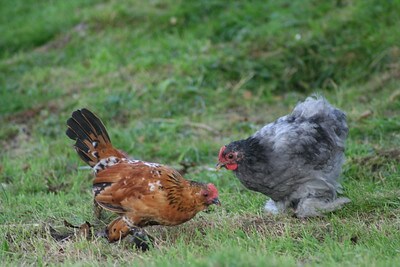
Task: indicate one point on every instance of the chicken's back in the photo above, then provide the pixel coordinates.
(318, 110)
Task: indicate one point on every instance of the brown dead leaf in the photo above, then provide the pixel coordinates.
(248, 95)
(394, 96)
(26, 167)
(365, 114)
(81, 231)
(84, 231)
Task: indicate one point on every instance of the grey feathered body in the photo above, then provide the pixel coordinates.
(297, 159)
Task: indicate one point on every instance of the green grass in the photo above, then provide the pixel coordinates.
(175, 80)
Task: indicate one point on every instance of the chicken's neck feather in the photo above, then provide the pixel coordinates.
(255, 154)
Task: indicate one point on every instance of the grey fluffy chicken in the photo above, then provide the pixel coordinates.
(296, 160)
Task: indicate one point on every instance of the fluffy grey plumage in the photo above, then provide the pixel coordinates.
(296, 160)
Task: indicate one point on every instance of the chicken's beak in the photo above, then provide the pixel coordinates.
(216, 201)
(219, 166)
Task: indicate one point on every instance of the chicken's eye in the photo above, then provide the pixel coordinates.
(230, 156)
(205, 194)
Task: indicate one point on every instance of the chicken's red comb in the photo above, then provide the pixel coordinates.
(221, 151)
(213, 189)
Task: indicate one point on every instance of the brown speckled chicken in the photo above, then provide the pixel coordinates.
(141, 193)
(296, 160)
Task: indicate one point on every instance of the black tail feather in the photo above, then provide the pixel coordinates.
(98, 125)
(76, 131)
(92, 140)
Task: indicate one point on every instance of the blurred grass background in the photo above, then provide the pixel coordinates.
(175, 80)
